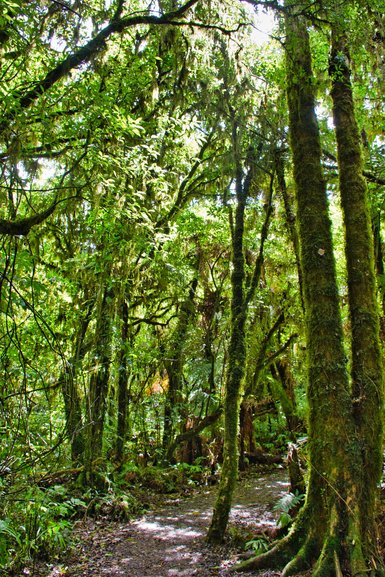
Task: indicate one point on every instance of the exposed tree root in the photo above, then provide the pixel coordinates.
(282, 552)
(318, 548)
(303, 559)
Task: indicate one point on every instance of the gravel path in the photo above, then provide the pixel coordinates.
(169, 542)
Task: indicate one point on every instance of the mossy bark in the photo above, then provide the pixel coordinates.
(174, 366)
(98, 385)
(379, 266)
(284, 388)
(73, 414)
(367, 377)
(236, 364)
(122, 386)
(327, 535)
(289, 215)
(70, 390)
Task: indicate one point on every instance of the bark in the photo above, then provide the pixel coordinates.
(326, 534)
(297, 482)
(98, 386)
(122, 385)
(290, 216)
(246, 426)
(22, 226)
(194, 432)
(284, 389)
(71, 397)
(73, 413)
(367, 377)
(174, 366)
(236, 362)
(380, 270)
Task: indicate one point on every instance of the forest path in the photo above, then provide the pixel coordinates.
(169, 541)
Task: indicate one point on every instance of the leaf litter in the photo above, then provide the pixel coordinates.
(169, 540)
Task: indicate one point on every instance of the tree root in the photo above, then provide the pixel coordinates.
(303, 559)
(280, 554)
(295, 552)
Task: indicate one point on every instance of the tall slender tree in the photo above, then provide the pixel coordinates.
(367, 376)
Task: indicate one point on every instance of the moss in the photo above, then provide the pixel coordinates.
(235, 372)
(366, 354)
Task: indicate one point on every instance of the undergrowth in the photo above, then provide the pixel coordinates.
(36, 522)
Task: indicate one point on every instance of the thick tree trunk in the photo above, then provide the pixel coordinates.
(71, 396)
(73, 414)
(326, 534)
(367, 378)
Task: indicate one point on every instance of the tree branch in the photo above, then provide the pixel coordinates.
(23, 226)
(281, 350)
(85, 53)
(368, 175)
(190, 434)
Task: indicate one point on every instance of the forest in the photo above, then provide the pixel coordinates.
(192, 267)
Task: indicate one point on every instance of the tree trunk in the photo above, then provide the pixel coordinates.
(174, 366)
(71, 397)
(284, 389)
(326, 534)
(98, 385)
(289, 216)
(367, 378)
(236, 363)
(73, 413)
(380, 269)
(122, 385)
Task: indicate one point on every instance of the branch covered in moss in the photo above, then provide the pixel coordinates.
(85, 53)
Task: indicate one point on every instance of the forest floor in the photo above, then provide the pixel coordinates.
(169, 540)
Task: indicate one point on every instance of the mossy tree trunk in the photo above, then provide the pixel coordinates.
(327, 535)
(70, 390)
(379, 265)
(122, 385)
(284, 389)
(174, 365)
(73, 413)
(98, 385)
(367, 377)
(236, 365)
(289, 215)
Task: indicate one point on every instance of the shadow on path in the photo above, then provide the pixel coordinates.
(170, 542)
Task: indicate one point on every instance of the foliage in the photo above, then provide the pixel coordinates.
(258, 545)
(37, 525)
(287, 506)
(118, 185)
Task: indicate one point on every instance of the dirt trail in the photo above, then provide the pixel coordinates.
(169, 542)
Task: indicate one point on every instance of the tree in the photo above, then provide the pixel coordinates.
(330, 532)
(367, 375)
